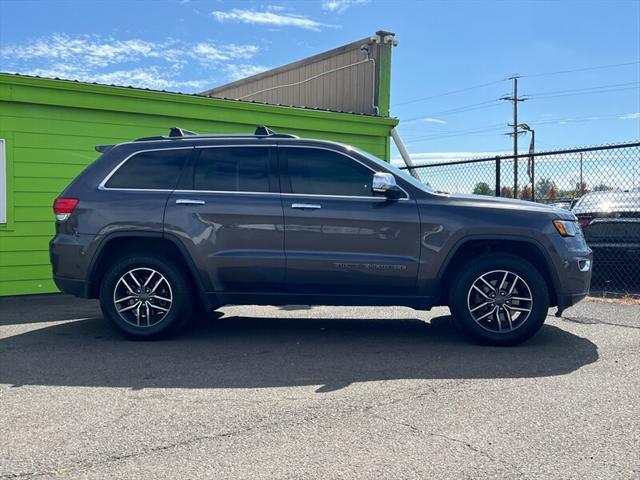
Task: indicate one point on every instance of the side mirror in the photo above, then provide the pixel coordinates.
(385, 184)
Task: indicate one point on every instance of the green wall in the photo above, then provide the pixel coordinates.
(52, 126)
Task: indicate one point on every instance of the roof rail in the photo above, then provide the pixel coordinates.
(177, 133)
(262, 131)
(180, 132)
(103, 148)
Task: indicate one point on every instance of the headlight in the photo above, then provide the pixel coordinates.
(567, 228)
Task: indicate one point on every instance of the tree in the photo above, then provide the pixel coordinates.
(581, 188)
(482, 188)
(546, 189)
(525, 193)
(602, 188)
(506, 192)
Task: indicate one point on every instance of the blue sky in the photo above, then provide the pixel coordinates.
(190, 46)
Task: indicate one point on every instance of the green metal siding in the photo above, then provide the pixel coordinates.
(52, 126)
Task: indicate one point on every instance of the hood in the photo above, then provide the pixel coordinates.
(510, 204)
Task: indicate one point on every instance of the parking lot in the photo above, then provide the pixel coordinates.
(298, 392)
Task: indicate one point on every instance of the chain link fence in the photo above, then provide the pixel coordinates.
(600, 185)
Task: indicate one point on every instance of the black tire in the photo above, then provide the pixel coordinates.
(462, 295)
(179, 309)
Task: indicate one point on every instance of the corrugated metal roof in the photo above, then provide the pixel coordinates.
(187, 94)
(346, 78)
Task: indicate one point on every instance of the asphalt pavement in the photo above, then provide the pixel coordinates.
(322, 392)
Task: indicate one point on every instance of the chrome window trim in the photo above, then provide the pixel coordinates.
(406, 197)
(104, 181)
(234, 192)
(337, 197)
(102, 184)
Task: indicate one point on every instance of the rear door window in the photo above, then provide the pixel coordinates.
(153, 170)
(232, 169)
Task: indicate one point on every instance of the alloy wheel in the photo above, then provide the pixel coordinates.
(142, 297)
(500, 301)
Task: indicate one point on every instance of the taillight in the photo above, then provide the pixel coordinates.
(584, 220)
(63, 207)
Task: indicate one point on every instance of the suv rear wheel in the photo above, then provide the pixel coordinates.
(499, 299)
(145, 297)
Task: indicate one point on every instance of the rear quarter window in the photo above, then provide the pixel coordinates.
(155, 170)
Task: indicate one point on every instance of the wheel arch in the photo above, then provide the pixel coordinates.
(166, 245)
(527, 248)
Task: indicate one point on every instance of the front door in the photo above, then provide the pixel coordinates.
(341, 238)
(227, 212)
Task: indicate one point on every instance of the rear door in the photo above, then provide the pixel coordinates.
(340, 238)
(227, 212)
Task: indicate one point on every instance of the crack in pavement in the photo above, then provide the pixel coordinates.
(465, 443)
(115, 458)
(596, 321)
(350, 410)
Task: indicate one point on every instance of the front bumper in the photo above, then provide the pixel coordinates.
(575, 280)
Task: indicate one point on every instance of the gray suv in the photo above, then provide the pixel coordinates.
(160, 227)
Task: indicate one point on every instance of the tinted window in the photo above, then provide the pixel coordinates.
(237, 169)
(327, 173)
(159, 170)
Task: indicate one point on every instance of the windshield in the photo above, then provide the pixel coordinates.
(608, 201)
(404, 174)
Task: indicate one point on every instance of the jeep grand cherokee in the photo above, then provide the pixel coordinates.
(162, 226)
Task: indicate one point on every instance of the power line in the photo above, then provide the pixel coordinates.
(542, 95)
(611, 85)
(453, 111)
(457, 133)
(465, 130)
(596, 117)
(495, 82)
(452, 92)
(485, 128)
(539, 97)
(584, 69)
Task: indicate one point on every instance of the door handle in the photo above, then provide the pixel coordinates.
(306, 206)
(188, 201)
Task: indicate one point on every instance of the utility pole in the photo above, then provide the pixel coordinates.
(514, 98)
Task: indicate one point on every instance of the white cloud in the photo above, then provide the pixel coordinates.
(434, 120)
(92, 50)
(269, 18)
(238, 71)
(100, 52)
(152, 77)
(340, 6)
(631, 116)
(135, 62)
(417, 121)
(208, 52)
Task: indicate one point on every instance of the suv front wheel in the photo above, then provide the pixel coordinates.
(499, 299)
(145, 297)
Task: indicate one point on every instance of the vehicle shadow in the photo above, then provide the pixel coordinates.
(245, 352)
(48, 307)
